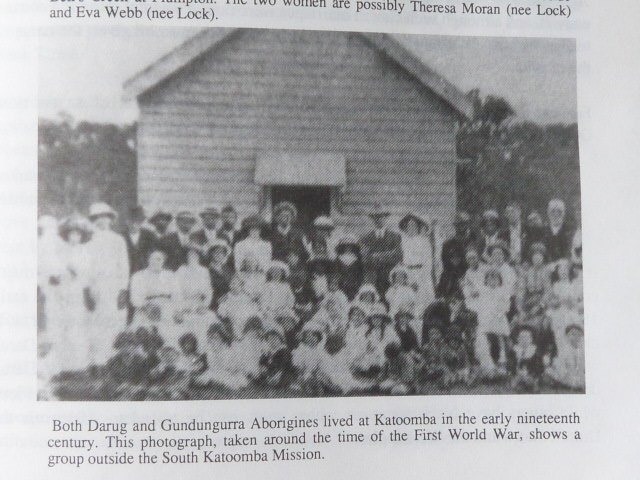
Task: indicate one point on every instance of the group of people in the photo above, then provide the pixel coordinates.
(186, 301)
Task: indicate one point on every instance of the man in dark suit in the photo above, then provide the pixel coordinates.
(513, 233)
(139, 239)
(285, 236)
(558, 234)
(175, 244)
(208, 234)
(381, 251)
(228, 230)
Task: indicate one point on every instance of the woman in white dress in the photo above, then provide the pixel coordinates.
(154, 295)
(67, 310)
(109, 280)
(194, 287)
(418, 250)
(253, 245)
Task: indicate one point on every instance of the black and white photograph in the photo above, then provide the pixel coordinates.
(229, 213)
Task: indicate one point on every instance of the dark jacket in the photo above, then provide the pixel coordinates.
(176, 252)
(220, 280)
(281, 244)
(558, 245)
(139, 252)
(379, 256)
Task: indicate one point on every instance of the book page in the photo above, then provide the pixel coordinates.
(288, 238)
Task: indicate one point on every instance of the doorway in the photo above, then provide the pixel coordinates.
(311, 202)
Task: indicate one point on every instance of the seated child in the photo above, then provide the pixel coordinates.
(567, 368)
(190, 361)
(248, 350)
(289, 324)
(253, 278)
(127, 370)
(368, 298)
(236, 306)
(526, 362)
(400, 294)
(398, 377)
(276, 368)
(308, 357)
(464, 321)
(435, 351)
(222, 369)
(167, 383)
(408, 338)
(332, 315)
(276, 294)
(369, 361)
(457, 357)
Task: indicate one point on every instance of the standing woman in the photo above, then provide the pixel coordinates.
(109, 279)
(69, 316)
(418, 252)
(252, 244)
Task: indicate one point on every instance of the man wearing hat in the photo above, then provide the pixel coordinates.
(285, 236)
(175, 244)
(228, 231)
(490, 232)
(381, 251)
(457, 245)
(160, 221)
(205, 237)
(139, 239)
(108, 285)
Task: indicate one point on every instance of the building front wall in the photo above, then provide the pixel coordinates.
(277, 90)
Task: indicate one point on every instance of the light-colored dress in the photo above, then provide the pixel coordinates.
(67, 314)
(472, 283)
(223, 368)
(417, 255)
(194, 287)
(237, 308)
(154, 297)
(276, 297)
(109, 275)
(258, 249)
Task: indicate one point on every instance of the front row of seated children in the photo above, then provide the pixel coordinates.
(372, 354)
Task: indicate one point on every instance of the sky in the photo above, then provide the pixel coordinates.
(82, 69)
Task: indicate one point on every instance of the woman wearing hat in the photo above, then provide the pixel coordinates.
(67, 312)
(108, 283)
(418, 253)
(252, 245)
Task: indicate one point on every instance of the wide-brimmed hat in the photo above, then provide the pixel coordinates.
(209, 211)
(379, 211)
(75, 223)
(137, 213)
(160, 214)
(404, 221)
(324, 222)
(219, 243)
(288, 206)
(573, 326)
(101, 209)
(228, 208)
(278, 265)
(490, 215)
(186, 215)
(346, 242)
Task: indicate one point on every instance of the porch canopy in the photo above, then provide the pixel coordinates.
(301, 168)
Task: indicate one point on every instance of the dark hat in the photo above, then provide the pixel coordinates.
(573, 326)
(137, 213)
(253, 323)
(346, 243)
(187, 337)
(160, 214)
(402, 224)
(378, 211)
(209, 211)
(75, 223)
(228, 208)
(320, 266)
(124, 339)
(288, 206)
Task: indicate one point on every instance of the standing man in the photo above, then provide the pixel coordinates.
(108, 283)
(286, 237)
(206, 236)
(558, 236)
(490, 234)
(229, 229)
(453, 256)
(513, 233)
(139, 239)
(175, 244)
(381, 249)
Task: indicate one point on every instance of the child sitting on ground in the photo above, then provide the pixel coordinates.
(222, 369)
(127, 370)
(276, 368)
(368, 298)
(248, 350)
(399, 374)
(567, 368)
(400, 294)
(190, 361)
(370, 360)
(308, 357)
(236, 307)
(276, 294)
(526, 362)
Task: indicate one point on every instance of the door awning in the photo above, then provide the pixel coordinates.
(300, 168)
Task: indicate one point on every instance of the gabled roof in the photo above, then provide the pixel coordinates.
(211, 38)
